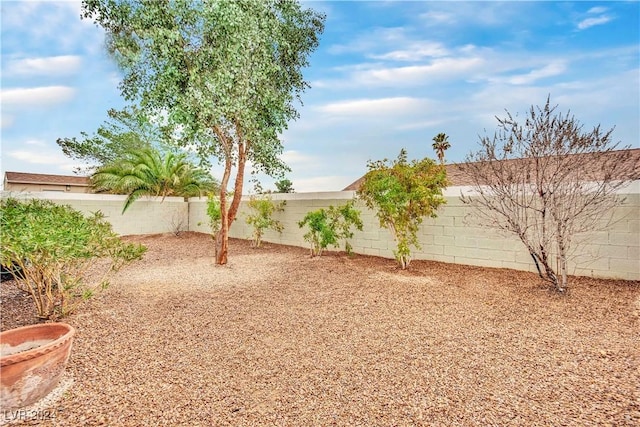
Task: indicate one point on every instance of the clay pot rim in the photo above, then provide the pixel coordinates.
(11, 359)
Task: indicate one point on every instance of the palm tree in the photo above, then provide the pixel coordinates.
(440, 145)
(147, 172)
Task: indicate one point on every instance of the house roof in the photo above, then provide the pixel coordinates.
(458, 178)
(39, 178)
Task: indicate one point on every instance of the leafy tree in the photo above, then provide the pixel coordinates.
(261, 217)
(284, 186)
(226, 73)
(124, 131)
(402, 193)
(329, 226)
(147, 172)
(546, 180)
(440, 145)
(58, 255)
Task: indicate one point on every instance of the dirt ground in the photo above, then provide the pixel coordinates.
(279, 338)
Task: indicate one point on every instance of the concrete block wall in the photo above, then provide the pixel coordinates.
(451, 237)
(146, 216)
(455, 237)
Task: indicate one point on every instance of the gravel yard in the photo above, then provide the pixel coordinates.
(279, 338)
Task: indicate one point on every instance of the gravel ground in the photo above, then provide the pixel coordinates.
(279, 338)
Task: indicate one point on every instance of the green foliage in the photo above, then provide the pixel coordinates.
(147, 172)
(214, 213)
(226, 73)
(261, 218)
(402, 193)
(63, 256)
(329, 226)
(284, 186)
(124, 131)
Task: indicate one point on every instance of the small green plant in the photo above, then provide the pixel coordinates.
(214, 213)
(329, 226)
(402, 193)
(261, 217)
(58, 255)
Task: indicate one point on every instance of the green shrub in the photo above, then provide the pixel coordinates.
(261, 219)
(63, 257)
(329, 226)
(402, 193)
(214, 213)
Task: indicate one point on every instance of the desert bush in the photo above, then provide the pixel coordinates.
(261, 217)
(63, 257)
(329, 226)
(548, 181)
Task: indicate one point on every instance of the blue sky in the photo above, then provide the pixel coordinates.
(387, 75)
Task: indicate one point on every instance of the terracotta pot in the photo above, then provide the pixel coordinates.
(33, 359)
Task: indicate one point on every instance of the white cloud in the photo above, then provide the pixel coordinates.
(414, 52)
(550, 70)
(37, 154)
(375, 39)
(370, 107)
(438, 17)
(404, 76)
(293, 157)
(36, 157)
(591, 22)
(488, 14)
(35, 142)
(36, 97)
(56, 23)
(52, 65)
(597, 9)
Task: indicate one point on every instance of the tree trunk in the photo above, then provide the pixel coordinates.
(222, 236)
(228, 214)
(221, 246)
(562, 261)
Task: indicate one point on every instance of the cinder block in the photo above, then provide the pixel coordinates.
(612, 251)
(369, 235)
(441, 220)
(429, 250)
(434, 230)
(454, 251)
(595, 237)
(450, 231)
(378, 244)
(624, 239)
(588, 263)
(466, 242)
(624, 213)
(425, 239)
(625, 266)
(444, 240)
(489, 254)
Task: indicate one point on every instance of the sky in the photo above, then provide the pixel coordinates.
(387, 75)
